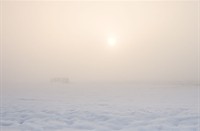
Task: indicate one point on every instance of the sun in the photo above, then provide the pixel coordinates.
(111, 41)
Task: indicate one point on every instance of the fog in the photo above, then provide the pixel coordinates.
(153, 41)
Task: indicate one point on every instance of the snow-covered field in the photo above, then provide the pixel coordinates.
(100, 107)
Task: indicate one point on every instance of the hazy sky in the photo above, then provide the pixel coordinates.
(151, 41)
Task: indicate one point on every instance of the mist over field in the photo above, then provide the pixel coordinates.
(100, 65)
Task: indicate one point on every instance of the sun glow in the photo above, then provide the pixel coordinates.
(111, 41)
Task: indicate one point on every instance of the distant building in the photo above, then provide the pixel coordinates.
(60, 80)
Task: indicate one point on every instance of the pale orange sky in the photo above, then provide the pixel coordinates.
(154, 41)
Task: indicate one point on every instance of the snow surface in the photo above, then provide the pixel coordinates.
(100, 107)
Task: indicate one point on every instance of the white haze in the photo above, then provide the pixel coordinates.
(155, 41)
